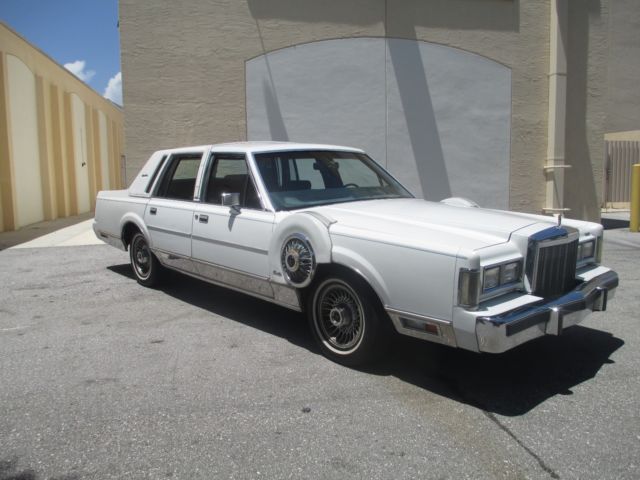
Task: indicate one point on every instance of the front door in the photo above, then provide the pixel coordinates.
(229, 245)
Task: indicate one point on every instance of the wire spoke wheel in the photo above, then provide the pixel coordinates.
(340, 318)
(144, 263)
(141, 257)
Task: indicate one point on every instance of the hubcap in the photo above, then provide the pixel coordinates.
(141, 257)
(298, 261)
(293, 261)
(339, 317)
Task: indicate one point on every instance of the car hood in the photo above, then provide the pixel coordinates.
(424, 224)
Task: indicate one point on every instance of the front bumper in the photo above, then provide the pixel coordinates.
(499, 333)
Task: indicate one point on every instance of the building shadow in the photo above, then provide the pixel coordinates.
(36, 230)
(419, 115)
(580, 180)
(612, 223)
(509, 384)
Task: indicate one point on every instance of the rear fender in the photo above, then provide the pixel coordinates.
(136, 220)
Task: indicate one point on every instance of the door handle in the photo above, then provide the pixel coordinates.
(204, 219)
(153, 210)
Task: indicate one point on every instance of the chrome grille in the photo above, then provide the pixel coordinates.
(552, 265)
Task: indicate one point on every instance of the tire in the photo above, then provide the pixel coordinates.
(145, 265)
(346, 320)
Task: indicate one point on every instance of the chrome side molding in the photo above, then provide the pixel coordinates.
(260, 287)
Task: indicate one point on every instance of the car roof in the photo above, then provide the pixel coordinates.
(262, 147)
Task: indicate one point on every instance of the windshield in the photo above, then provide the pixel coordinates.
(310, 178)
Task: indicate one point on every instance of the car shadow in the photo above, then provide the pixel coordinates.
(508, 384)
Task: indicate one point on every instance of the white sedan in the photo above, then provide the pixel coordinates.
(326, 230)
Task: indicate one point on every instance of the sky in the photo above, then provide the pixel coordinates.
(81, 35)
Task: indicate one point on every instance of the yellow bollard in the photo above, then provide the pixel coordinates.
(635, 198)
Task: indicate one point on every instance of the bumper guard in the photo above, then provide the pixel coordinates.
(502, 332)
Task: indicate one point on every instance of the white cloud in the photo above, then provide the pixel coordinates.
(78, 69)
(114, 89)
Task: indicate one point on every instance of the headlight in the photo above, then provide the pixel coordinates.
(511, 272)
(491, 278)
(586, 250)
(501, 275)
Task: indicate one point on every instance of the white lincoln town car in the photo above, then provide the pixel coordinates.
(326, 230)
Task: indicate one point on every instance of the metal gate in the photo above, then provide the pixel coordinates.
(619, 157)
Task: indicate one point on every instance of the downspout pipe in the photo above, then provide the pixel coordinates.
(555, 165)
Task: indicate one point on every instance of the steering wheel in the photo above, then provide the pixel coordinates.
(354, 185)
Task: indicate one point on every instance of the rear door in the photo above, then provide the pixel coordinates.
(169, 212)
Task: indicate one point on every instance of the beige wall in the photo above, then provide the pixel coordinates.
(25, 158)
(104, 151)
(80, 154)
(623, 94)
(586, 106)
(50, 124)
(184, 70)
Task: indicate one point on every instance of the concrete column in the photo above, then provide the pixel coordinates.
(97, 157)
(43, 106)
(7, 199)
(58, 149)
(69, 158)
(555, 165)
(92, 158)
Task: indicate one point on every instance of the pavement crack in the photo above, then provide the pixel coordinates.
(552, 473)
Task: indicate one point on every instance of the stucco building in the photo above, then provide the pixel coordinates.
(60, 141)
(505, 102)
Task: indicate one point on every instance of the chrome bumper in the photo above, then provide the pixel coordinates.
(502, 332)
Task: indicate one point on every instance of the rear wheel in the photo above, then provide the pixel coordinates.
(346, 320)
(146, 266)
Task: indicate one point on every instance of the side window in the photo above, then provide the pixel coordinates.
(179, 180)
(229, 174)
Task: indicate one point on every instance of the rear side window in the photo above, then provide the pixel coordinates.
(179, 180)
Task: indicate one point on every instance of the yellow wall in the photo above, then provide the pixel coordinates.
(80, 153)
(25, 158)
(60, 141)
(104, 152)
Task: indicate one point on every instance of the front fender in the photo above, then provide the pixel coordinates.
(354, 261)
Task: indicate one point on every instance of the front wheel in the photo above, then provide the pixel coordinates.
(146, 266)
(346, 320)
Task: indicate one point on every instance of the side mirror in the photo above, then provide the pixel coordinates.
(231, 200)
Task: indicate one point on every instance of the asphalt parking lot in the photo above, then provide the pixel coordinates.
(101, 378)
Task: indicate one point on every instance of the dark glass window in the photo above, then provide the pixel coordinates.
(179, 180)
(230, 174)
(301, 179)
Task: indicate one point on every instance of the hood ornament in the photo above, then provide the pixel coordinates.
(559, 217)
